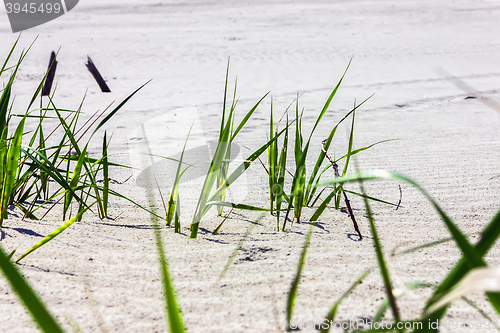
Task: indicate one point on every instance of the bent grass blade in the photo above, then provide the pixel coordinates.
(53, 234)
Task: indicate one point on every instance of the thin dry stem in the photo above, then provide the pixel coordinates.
(347, 203)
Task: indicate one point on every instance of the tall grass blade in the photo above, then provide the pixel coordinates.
(292, 293)
(74, 180)
(349, 147)
(272, 159)
(298, 181)
(177, 219)
(9, 55)
(174, 193)
(105, 176)
(380, 258)
(172, 310)
(280, 183)
(312, 179)
(204, 197)
(173, 313)
(10, 170)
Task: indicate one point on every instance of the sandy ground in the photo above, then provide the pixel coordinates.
(103, 274)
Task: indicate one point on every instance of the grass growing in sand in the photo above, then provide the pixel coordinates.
(26, 171)
(303, 189)
(469, 274)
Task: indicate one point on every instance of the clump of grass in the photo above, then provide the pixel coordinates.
(29, 163)
(173, 207)
(277, 167)
(219, 164)
(303, 188)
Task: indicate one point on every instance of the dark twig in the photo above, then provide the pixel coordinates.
(347, 203)
(400, 197)
(97, 76)
(47, 86)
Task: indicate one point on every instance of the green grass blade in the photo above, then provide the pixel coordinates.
(210, 179)
(224, 103)
(380, 258)
(312, 179)
(322, 207)
(359, 150)
(280, 185)
(10, 170)
(272, 152)
(9, 55)
(351, 139)
(317, 197)
(11, 254)
(292, 293)
(115, 110)
(172, 310)
(330, 317)
(174, 193)
(173, 313)
(52, 235)
(472, 256)
(247, 116)
(42, 317)
(74, 180)
(371, 198)
(105, 175)
(4, 106)
(177, 220)
(328, 101)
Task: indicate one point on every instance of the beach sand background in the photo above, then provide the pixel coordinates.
(103, 274)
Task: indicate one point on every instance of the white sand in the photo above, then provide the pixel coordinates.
(103, 274)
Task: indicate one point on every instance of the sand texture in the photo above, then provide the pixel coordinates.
(104, 274)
